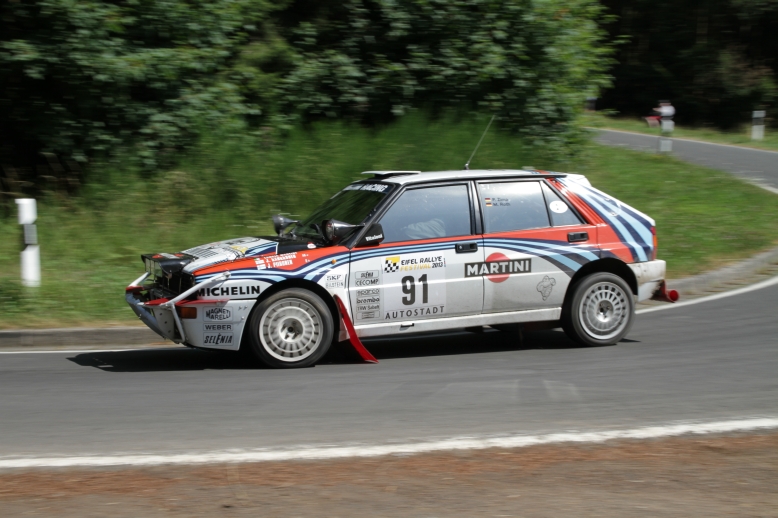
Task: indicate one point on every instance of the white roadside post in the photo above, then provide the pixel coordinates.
(757, 128)
(665, 144)
(31, 254)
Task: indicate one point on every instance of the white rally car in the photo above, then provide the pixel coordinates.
(409, 252)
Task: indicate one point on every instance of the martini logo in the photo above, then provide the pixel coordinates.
(498, 267)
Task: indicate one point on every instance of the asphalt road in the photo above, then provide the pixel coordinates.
(710, 361)
(754, 165)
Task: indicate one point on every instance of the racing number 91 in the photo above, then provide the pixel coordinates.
(409, 288)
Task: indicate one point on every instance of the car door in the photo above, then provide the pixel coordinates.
(534, 242)
(418, 270)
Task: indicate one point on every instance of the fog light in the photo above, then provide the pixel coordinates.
(186, 312)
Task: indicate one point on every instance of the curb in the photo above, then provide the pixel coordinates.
(722, 279)
(80, 337)
(735, 273)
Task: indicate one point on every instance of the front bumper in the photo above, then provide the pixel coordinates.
(214, 324)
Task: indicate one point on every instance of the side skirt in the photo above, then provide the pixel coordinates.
(440, 324)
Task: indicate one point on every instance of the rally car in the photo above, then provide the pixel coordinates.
(409, 252)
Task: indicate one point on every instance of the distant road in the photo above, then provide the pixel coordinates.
(715, 360)
(753, 165)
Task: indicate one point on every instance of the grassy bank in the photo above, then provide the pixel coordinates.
(739, 137)
(229, 186)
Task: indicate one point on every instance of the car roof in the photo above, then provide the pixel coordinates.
(408, 177)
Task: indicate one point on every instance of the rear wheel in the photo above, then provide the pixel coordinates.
(600, 311)
(292, 328)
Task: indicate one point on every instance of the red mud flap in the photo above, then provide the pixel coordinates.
(352, 333)
(663, 294)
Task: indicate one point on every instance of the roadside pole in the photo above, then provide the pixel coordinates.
(665, 143)
(757, 127)
(31, 254)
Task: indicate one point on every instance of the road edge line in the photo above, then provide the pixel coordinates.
(362, 451)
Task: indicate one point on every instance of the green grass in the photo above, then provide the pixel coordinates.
(740, 137)
(230, 185)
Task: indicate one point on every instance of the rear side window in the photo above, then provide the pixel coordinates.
(561, 213)
(512, 206)
(428, 213)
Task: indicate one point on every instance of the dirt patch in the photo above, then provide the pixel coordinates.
(702, 476)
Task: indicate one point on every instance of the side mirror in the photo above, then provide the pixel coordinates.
(373, 236)
(335, 230)
(281, 222)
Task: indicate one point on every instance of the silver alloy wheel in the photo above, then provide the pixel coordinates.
(290, 330)
(604, 310)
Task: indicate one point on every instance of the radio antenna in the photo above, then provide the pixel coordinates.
(467, 165)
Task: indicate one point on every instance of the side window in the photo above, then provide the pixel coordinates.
(512, 206)
(560, 212)
(428, 213)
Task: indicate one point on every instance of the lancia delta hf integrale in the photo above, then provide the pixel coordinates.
(409, 252)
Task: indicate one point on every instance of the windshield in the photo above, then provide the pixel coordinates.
(351, 205)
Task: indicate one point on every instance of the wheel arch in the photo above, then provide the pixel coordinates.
(608, 265)
(303, 284)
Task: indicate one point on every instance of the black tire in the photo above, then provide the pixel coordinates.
(600, 310)
(290, 329)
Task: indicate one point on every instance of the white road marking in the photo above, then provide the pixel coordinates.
(341, 452)
(758, 286)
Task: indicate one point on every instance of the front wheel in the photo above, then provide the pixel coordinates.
(600, 311)
(292, 328)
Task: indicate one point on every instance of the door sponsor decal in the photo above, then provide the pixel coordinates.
(498, 267)
(368, 278)
(414, 286)
(368, 303)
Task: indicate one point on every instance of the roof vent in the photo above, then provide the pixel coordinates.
(387, 174)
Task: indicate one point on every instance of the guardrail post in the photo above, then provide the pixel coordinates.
(31, 254)
(757, 127)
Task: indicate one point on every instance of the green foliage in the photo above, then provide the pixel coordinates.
(531, 62)
(81, 77)
(87, 78)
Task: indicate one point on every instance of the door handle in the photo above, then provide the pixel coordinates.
(466, 248)
(575, 237)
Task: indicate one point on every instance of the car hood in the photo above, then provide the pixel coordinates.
(232, 249)
(229, 250)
